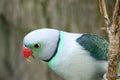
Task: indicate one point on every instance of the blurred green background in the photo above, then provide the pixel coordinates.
(18, 17)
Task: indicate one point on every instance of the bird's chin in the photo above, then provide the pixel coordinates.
(30, 59)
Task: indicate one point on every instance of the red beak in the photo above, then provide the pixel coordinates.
(27, 53)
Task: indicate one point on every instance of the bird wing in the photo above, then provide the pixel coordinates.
(98, 47)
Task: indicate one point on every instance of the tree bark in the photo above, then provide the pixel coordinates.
(113, 30)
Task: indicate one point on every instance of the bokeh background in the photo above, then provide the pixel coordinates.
(18, 17)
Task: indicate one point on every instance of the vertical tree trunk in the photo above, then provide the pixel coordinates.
(113, 29)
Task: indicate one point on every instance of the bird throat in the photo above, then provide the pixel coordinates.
(55, 52)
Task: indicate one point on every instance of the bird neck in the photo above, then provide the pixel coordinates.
(55, 52)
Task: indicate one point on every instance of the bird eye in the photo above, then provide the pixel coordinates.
(37, 45)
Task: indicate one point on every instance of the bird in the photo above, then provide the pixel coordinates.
(73, 56)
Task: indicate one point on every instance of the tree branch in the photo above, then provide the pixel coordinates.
(113, 30)
(116, 13)
(103, 11)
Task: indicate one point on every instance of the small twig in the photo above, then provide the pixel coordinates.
(103, 11)
(116, 13)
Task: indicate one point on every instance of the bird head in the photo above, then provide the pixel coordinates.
(40, 43)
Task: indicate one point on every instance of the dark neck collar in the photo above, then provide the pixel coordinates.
(55, 52)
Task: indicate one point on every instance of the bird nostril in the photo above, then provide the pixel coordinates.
(25, 45)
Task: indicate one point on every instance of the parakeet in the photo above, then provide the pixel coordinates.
(73, 56)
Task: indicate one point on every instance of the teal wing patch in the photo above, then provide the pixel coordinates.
(98, 47)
